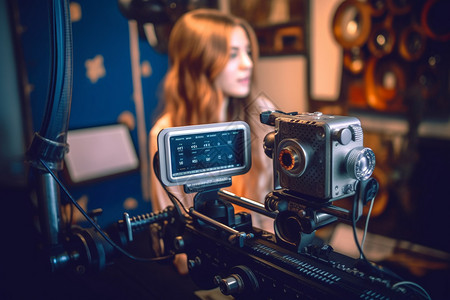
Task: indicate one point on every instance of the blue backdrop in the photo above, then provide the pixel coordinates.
(102, 87)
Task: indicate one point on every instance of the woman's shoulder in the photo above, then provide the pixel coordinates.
(263, 103)
(162, 122)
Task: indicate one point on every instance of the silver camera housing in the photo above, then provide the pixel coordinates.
(320, 156)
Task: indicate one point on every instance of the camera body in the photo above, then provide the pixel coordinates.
(318, 156)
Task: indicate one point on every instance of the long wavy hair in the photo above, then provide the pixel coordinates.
(199, 49)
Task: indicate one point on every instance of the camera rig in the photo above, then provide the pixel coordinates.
(225, 250)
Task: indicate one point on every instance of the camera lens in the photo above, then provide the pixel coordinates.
(288, 158)
(292, 157)
(361, 163)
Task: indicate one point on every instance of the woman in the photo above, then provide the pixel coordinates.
(211, 76)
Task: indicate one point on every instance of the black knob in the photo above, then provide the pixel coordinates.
(242, 282)
(269, 144)
(231, 285)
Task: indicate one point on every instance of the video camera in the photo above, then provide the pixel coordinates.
(318, 156)
(317, 159)
(225, 250)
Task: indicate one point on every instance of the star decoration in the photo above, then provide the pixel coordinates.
(95, 68)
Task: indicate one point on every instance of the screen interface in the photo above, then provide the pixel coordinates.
(200, 153)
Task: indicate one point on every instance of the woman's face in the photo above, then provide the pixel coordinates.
(234, 80)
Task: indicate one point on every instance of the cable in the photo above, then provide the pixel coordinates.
(176, 202)
(361, 252)
(367, 224)
(414, 285)
(363, 257)
(173, 198)
(95, 225)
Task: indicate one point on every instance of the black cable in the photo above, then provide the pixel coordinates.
(96, 226)
(175, 201)
(355, 201)
(174, 198)
(413, 286)
(355, 236)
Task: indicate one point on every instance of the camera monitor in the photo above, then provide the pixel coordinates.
(204, 154)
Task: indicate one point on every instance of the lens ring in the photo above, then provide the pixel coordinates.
(360, 163)
(287, 159)
(292, 157)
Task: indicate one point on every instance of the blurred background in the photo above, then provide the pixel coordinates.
(386, 62)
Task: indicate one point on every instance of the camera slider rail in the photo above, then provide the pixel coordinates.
(265, 269)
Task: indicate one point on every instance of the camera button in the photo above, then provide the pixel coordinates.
(344, 136)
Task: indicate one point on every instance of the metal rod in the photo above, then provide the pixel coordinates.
(246, 203)
(213, 222)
